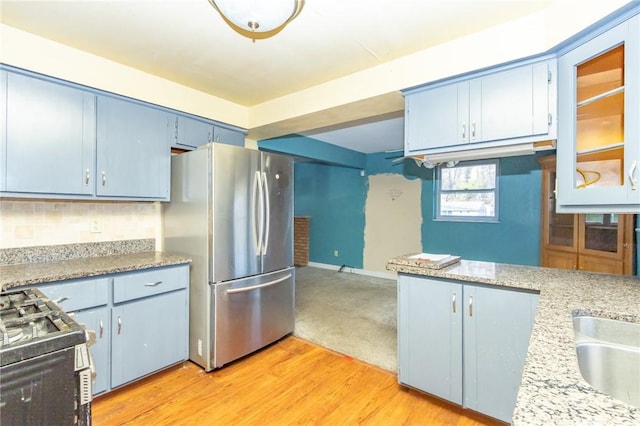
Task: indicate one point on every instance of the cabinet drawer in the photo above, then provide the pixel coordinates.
(136, 285)
(78, 294)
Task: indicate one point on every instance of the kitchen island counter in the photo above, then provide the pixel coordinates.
(42, 272)
(552, 390)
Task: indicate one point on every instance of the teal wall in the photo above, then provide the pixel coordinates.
(334, 197)
(515, 239)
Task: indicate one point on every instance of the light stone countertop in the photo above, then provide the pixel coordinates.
(37, 273)
(552, 391)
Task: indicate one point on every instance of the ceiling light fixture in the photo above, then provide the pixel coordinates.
(258, 19)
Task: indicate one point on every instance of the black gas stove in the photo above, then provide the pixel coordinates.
(45, 367)
(32, 325)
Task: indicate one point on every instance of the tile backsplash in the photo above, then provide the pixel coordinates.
(25, 223)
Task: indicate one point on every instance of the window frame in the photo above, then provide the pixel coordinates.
(438, 216)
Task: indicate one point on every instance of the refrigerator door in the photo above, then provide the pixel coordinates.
(235, 213)
(251, 313)
(277, 179)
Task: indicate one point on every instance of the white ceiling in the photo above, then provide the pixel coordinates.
(188, 42)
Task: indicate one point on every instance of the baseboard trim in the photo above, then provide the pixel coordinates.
(387, 275)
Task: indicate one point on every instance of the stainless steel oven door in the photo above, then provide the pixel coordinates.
(250, 313)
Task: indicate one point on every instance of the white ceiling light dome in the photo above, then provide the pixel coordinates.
(258, 16)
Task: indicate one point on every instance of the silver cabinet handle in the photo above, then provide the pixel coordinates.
(119, 325)
(464, 131)
(61, 299)
(104, 179)
(632, 170)
(86, 177)
(470, 306)
(101, 329)
(153, 284)
(453, 303)
(473, 130)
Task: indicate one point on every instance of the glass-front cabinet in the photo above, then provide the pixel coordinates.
(596, 242)
(599, 123)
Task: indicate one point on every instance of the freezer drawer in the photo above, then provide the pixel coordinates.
(250, 313)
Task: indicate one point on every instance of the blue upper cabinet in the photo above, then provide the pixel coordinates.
(437, 117)
(506, 106)
(61, 141)
(514, 104)
(598, 150)
(47, 143)
(228, 136)
(133, 150)
(190, 133)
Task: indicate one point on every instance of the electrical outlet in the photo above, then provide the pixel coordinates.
(335, 253)
(95, 227)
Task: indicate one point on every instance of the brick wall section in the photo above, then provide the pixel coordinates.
(301, 241)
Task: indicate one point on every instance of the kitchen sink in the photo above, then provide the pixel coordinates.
(608, 354)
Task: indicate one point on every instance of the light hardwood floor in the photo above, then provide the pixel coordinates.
(289, 382)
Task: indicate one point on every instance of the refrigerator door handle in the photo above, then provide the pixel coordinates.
(254, 231)
(255, 287)
(267, 218)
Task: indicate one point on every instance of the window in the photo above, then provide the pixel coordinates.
(468, 191)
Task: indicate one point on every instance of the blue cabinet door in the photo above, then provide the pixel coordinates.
(228, 136)
(98, 320)
(512, 104)
(46, 125)
(147, 335)
(133, 150)
(191, 133)
(87, 300)
(437, 117)
(497, 327)
(430, 336)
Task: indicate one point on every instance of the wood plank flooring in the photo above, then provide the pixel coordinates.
(291, 382)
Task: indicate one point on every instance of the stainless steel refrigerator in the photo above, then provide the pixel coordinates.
(231, 211)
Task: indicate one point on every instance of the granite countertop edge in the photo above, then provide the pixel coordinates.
(552, 390)
(12, 276)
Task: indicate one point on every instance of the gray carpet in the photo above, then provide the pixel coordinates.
(349, 313)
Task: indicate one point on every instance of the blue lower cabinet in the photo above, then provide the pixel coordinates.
(464, 343)
(98, 320)
(148, 335)
(140, 319)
